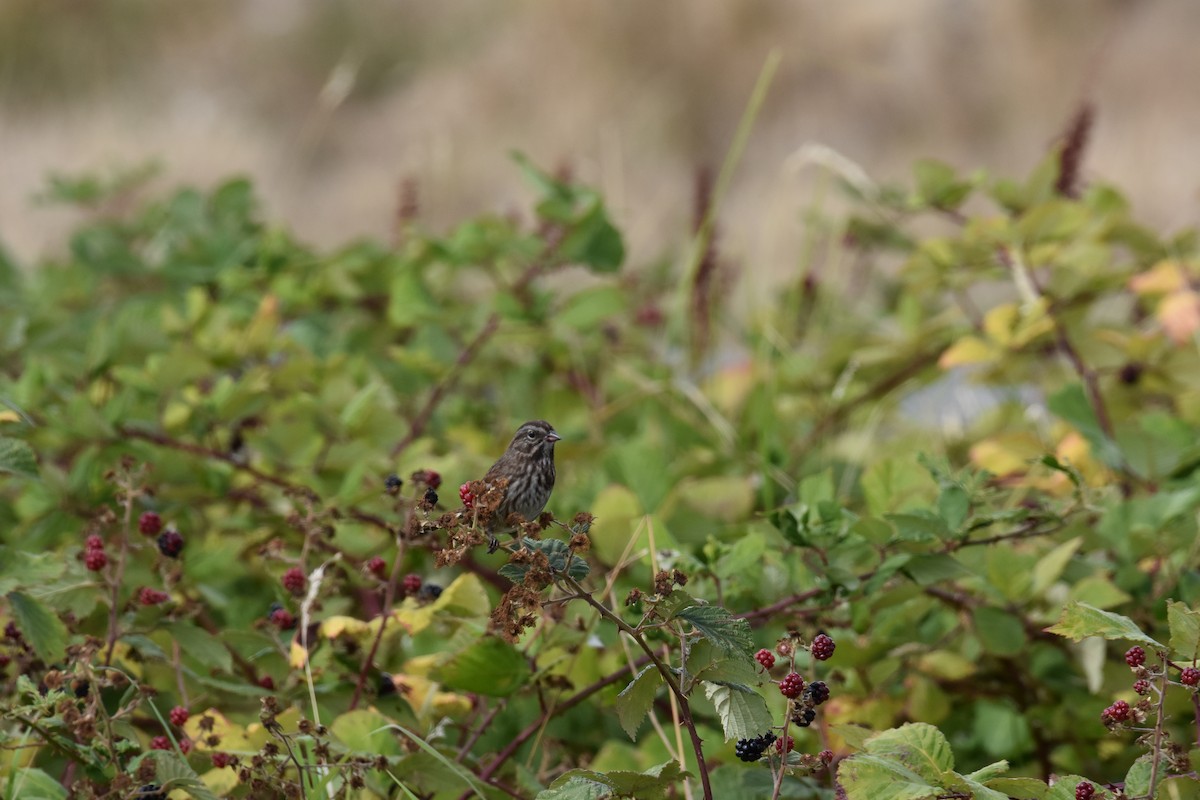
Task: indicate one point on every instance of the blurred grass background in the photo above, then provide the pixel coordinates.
(331, 104)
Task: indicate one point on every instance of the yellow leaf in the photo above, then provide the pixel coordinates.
(967, 350)
(1006, 454)
(1164, 277)
(221, 781)
(1179, 313)
(9, 416)
(335, 626)
(998, 322)
(728, 388)
(297, 655)
(233, 736)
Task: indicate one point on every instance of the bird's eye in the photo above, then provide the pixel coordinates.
(532, 434)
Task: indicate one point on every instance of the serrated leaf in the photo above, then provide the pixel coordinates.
(557, 552)
(490, 667)
(32, 784)
(724, 630)
(868, 777)
(1137, 779)
(583, 784)
(919, 746)
(1184, 624)
(1079, 621)
(17, 457)
(172, 772)
(44, 631)
(635, 700)
(743, 712)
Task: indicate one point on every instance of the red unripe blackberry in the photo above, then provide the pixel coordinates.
(766, 658)
(282, 618)
(1118, 711)
(1084, 791)
(1142, 686)
(150, 524)
(185, 745)
(1190, 676)
(466, 495)
(1134, 657)
(294, 581)
(179, 715)
(791, 686)
(822, 647)
(160, 743)
(432, 479)
(95, 560)
(781, 747)
(11, 631)
(267, 682)
(152, 597)
(221, 760)
(170, 543)
(377, 567)
(411, 583)
(826, 756)
(93, 542)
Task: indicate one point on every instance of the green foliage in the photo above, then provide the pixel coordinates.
(972, 463)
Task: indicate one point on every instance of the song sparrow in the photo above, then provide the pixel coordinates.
(528, 466)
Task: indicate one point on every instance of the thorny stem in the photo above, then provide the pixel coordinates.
(685, 711)
(389, 596)
(1156, 755)
(532, 728)
(114, 616)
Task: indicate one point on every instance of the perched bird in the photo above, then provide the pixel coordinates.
(528, 466)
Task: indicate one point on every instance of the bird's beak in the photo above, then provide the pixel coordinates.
(552, 437)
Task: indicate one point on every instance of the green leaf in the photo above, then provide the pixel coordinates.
(1184, 624)
(919, 746)
(1001, 729)
(1020, 788)
(656, 783)
(172, 772)
(17, 457)
(999, 632)
(953, 506)
(42, 628)
(1050, 567)
(1071, 405)
(927, 570)
(202, 646)
(559, 554)
(864, 776)
(1137, 779)
(743, 712)
(20, 569)
(594, 242)
(1064, 789)
(1079, 621)
(365, 732)
(490, 667)
(635, 700)
(31, 783)
(724, 630)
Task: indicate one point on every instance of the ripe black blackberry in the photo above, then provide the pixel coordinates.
(822, 647)
(1134, 657)
(816, 693)
(392, 483)
(170, 543)
(804, 716)
(752, 749)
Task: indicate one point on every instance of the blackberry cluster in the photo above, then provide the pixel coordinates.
(1142, 687)
(753, 749)
(1117, 712)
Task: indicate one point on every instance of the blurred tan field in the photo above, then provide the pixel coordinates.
(330, 105)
